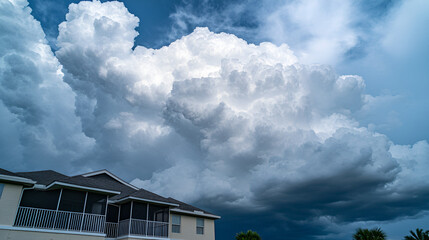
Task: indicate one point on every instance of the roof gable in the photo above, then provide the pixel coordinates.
(6, 172)
(43, 177)
(104, 174)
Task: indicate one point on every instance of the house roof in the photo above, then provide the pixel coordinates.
(106, 182)
(52, 179)
(6, 172)
(106, 175)
(6, 176)
(44, 177)
(87, 183)
(185, 208)
(112, 183)
(143, 195)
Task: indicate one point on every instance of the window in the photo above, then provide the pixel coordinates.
(200, 226)
(175, 223)
(1, 189)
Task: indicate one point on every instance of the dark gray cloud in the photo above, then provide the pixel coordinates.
(245, 130)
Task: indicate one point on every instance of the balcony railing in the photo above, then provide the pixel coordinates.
(59, 220)
(140, 228)
(85, 222)
(111, 230)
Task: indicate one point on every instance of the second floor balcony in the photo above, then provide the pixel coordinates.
(28, 217)
(136, 218)
(68, 210)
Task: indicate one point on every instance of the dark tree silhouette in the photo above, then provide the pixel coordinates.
(369, 234)
(249, 235)
(418, 235)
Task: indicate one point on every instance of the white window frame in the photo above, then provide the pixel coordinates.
(173, 224)
(201, 226)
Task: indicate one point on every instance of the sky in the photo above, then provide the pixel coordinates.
(296, 119)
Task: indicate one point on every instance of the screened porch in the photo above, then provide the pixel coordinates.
(136, 218)
(62, 209)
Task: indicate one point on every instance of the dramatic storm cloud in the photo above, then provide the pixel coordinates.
(209, 119)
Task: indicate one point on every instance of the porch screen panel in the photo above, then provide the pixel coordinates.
(139, 210)
(112, 213)
(125, 211)
(158, 213)
(72, 201)
(40, 199)
(96, 203)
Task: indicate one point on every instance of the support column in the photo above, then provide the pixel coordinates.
(131, 216)
(119, 219)
(119, 213)
(105, 213)
(83, 213)
(58, 206)
(147, 217)
(105, 209)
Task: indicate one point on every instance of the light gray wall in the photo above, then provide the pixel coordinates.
(188, 228)
(6, 234)
(9, 202)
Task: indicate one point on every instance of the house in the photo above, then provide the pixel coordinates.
(93, 206)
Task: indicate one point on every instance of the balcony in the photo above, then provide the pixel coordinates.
(134, 218)
(137, 227)
(83, 222)
(68, 210)
(60, 220)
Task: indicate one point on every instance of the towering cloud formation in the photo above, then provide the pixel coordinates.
(38, 124)
(211, 119)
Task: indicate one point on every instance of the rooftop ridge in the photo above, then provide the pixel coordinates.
(105, 171)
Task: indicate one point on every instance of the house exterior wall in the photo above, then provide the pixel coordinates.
(8, 234)
(139, 238)
(9, 202)
(188, 228)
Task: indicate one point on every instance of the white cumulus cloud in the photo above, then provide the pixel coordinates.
(209, 119)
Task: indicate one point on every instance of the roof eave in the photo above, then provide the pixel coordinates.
(15, 179)
(92, 189)
(206, 215)
(143, 200)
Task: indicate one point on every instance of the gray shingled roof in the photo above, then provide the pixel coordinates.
(102, 182)
(187, 207)
(6, 172)
(89, 182)
(7, 176)
(117, 186)
(128, 191)
(142, 193)
(43, 177)
(48, 176)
